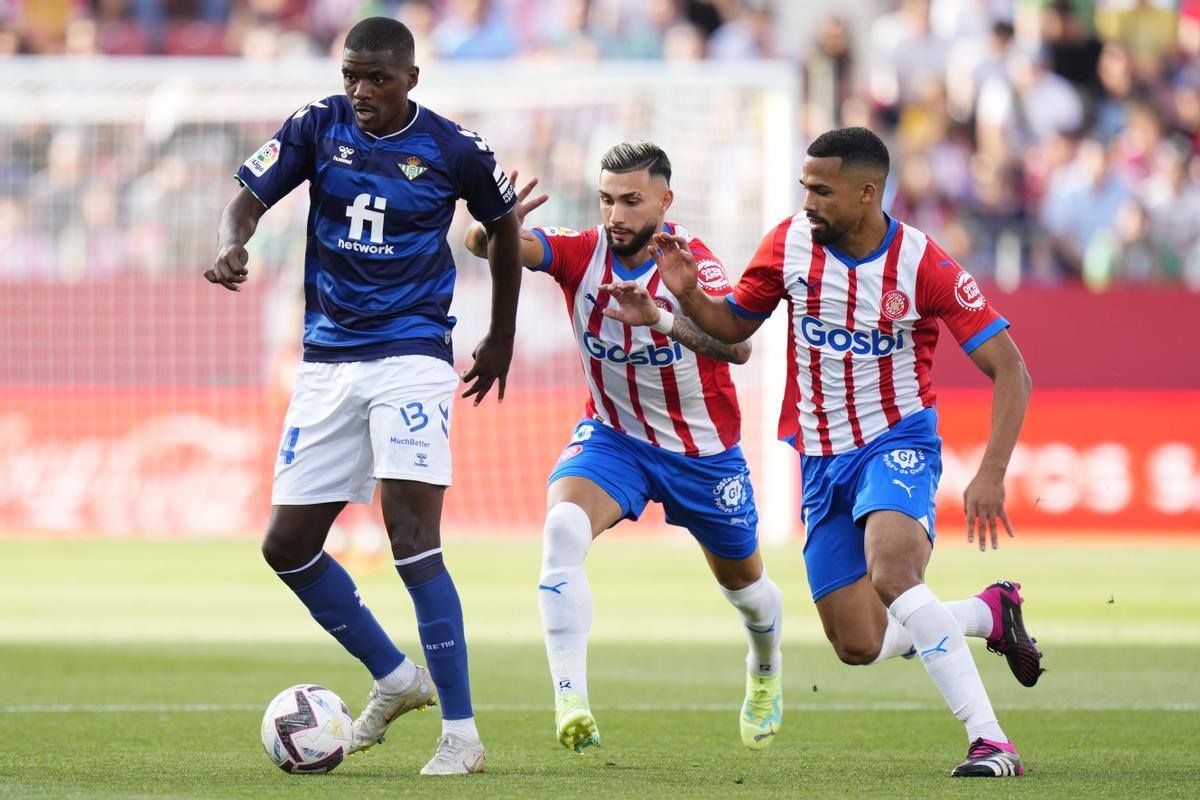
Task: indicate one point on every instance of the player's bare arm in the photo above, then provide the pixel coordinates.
(983, 499)
(494, 352)
(532, 251)
(239, 220)
(712, 315)
(635, 306)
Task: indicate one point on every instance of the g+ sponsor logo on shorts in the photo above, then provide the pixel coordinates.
(906, 461)
(732, 494)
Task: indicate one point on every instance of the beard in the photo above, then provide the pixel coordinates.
(636, 244)
(828, 233)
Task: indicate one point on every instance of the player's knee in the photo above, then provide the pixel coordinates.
(279, 555)
(890, 584)
(856, 653)
(411, 534)
(567, 536)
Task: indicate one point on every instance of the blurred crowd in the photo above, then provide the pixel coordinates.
(1043, 140)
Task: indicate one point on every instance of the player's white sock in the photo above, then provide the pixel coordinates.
(896, 641)
(760, 605)
(973, 616)
(463, 727)
(400, 678)
(943, 650)
(565, 597)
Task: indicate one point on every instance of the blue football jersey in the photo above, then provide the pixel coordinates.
(378, 274)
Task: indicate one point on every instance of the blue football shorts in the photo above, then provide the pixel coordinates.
(897, 471)
(709, 495)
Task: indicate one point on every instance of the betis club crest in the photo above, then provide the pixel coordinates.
(412, 168)
(895, 304)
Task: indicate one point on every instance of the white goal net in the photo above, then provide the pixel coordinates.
(136, 398)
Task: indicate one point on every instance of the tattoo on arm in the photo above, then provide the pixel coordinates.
(686, 333)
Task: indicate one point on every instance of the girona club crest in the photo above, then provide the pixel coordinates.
(663, 303)
(895, 304)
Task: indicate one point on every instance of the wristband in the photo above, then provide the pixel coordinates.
(666, 321)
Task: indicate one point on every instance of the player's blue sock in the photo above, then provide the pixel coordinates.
(331, 597)
(440, 625)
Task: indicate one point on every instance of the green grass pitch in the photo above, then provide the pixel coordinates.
(140, 669)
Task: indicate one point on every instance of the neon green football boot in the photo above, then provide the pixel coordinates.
(574, 722)
(762, 711)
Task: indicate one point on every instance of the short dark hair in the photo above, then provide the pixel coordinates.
(856, 147)
(634, 156)
(382, 35)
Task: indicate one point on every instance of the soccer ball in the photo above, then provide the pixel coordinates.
(307, 730)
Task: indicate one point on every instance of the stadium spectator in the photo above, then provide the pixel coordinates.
(1132, 251)
(904, 53)
(749, 32)
(1081, 203)
(988, 99)
(473, 29)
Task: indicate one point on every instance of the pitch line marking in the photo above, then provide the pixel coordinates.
(202, 708)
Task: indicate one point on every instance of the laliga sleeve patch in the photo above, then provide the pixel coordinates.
(264, 159)
(967, 293)
(559, 232)
(710, 275)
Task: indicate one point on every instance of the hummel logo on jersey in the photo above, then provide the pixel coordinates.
(344, 153)
(359, 216)
(412, 168)
(908, 489)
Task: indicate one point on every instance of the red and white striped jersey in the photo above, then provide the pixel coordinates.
(641, 382)
(861, 331)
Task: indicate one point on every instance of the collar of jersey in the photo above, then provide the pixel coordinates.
(874, 254)
(405, 129)
(632, 274)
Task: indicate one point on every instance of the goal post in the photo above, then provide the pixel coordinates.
(135, 398)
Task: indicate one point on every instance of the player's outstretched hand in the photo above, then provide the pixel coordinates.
(635, 306)
(492, 355)
(229, 269)
(525, 205)
(675, 263)
(984, 504)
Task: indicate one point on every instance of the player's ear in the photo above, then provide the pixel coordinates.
(414, 74)
(870, 190)
(667, 198)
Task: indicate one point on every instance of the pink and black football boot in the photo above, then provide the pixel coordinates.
(1009, 637)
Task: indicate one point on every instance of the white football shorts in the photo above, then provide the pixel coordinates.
(351, 424)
